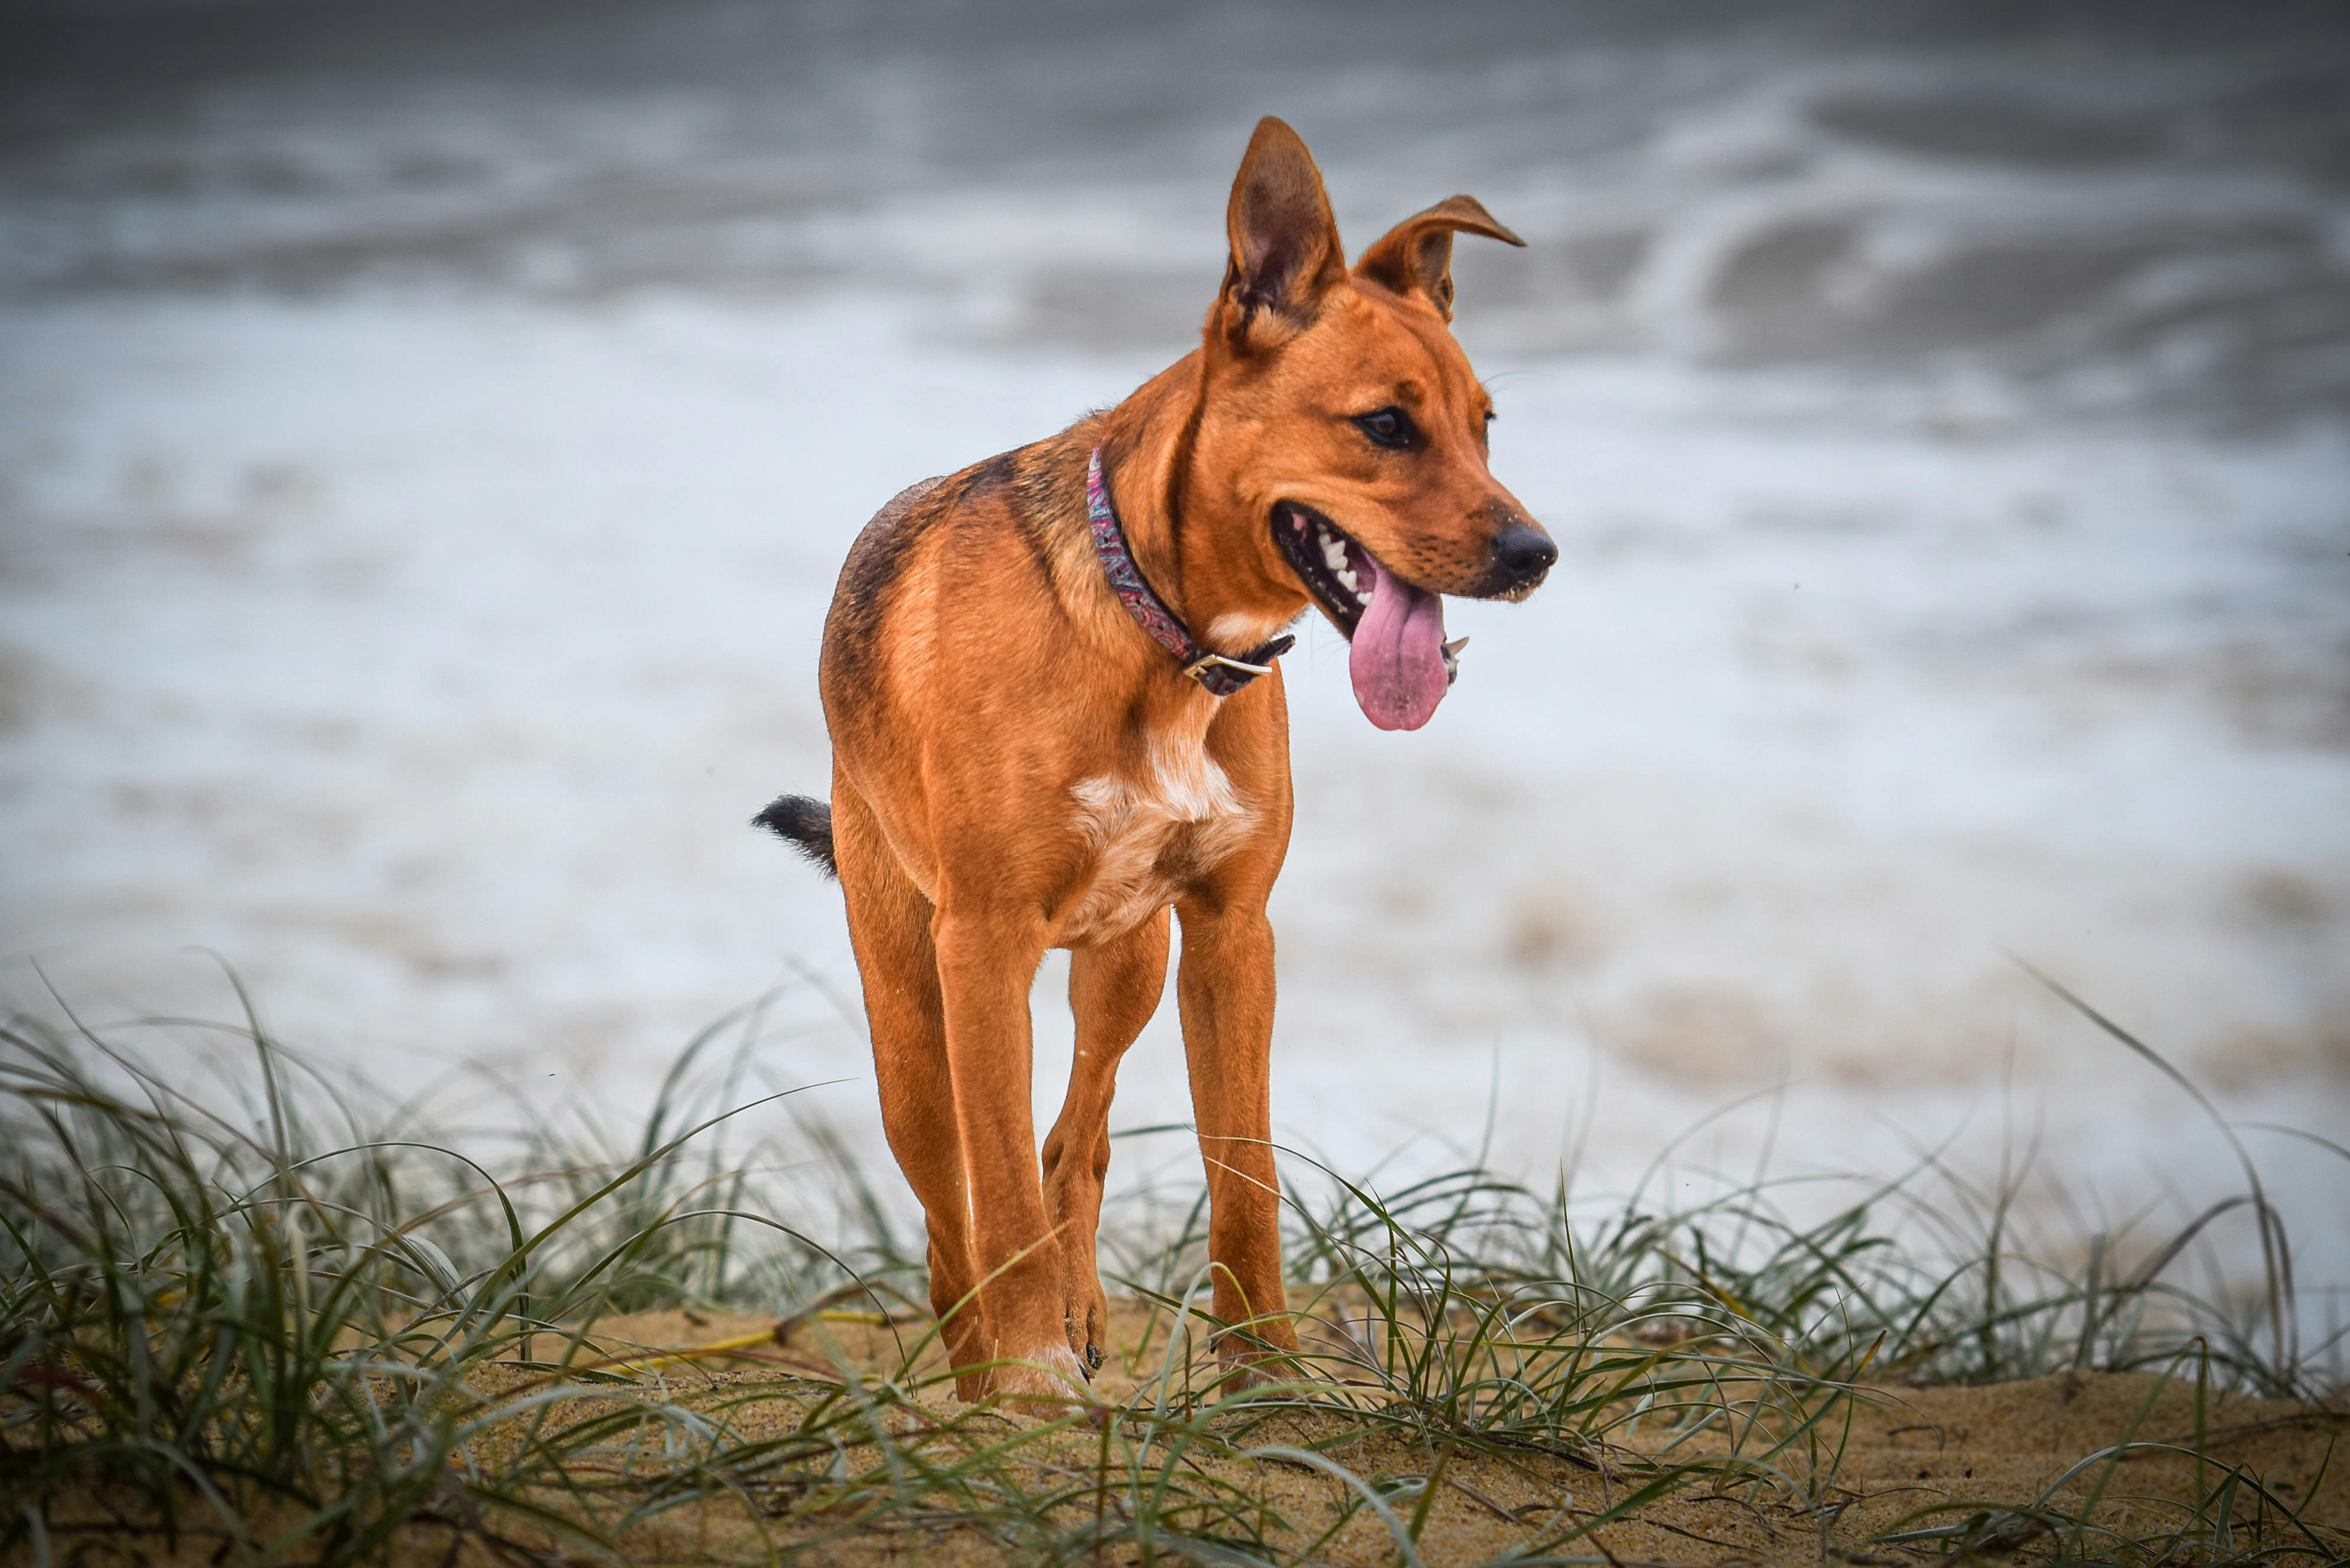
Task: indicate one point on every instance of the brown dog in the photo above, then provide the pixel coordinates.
(1040, 677)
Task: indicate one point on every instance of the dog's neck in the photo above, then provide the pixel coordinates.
(1201, 556)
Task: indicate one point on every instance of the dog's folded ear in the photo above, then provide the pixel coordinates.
(1285, 254)
(1416, 256)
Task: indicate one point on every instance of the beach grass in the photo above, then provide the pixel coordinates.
(273, 1316)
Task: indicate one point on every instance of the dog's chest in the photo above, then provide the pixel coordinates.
(1147, 832)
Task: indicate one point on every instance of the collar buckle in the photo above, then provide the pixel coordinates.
(1200, 668)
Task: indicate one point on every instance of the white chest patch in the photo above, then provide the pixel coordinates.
(1131, 825)
(1242, 632)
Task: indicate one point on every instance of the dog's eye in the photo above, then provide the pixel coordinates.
(1390, 427)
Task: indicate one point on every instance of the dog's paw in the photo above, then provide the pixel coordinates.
(1088, 1322)
(1266, 1356)
(1045, 1381)
(1238, 1372)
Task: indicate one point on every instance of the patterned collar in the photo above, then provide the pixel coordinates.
(1212, 670)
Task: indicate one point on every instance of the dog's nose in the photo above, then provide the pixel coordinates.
(1523, 552)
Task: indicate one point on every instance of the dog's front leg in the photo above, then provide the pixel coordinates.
(1225, 990)
(987, 960)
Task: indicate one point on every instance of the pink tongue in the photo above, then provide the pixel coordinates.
(1398, 658)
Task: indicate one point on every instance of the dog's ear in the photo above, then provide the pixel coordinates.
(1286, 253)
(1416, 256)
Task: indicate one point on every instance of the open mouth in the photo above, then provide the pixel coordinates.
(1339, 572)
(1398, 657)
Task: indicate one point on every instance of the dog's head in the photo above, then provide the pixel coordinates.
(1343, 420)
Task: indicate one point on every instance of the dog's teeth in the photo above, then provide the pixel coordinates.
(1334, 555)
(1456, 645)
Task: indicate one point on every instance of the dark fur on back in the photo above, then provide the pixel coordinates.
(870, 575)
(806, 825)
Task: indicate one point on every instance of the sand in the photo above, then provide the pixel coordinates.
(1893, 1459)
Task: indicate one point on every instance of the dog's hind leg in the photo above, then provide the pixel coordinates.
(1114, 988)
(890, 925)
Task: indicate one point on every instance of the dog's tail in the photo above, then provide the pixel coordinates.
(808, 825)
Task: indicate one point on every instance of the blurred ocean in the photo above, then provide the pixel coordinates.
(431, 431)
